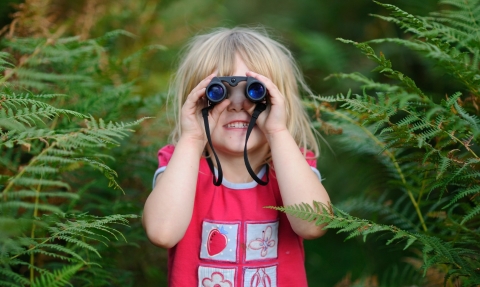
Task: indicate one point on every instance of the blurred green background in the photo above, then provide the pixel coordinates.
(309, 28)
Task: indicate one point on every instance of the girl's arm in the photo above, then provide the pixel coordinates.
(168, 209)
(297, 182)
(169, 206)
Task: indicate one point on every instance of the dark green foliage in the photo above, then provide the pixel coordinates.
(49, 134)
(428, 146)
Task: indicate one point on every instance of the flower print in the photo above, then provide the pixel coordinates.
(260, 279)
(263, 243)
(217, 280)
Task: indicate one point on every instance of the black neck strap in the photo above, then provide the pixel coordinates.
(260, 107)
(219, 179)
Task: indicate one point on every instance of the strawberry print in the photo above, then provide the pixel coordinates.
(217, 241)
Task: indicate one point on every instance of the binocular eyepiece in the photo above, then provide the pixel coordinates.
(216, 91)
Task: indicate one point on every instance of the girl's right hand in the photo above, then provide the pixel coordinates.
(191, 116)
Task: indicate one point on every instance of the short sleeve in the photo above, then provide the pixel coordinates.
(311, 159)
(312, 162)
(164, 156)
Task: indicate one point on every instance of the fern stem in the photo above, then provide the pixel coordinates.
(394, 162)
(88, 253)
(422, 188)
(21, 172)
(32, 233)
(32, 259)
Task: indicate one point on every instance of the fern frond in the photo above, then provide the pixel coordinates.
(112, 35)
(384, 67)
(30, 181)
(20, 134)
(471, 119)
(15, 204)
(109, 173)
(391, 214)
(58, 278)
(403, 18)
(435, 251)
(5, 61)
(142, 51)
(54, 254)
(68, 236)
(471, 214)
(32, 193)
(34, 76)
(8, 284)
(463, 193)
(8, 273)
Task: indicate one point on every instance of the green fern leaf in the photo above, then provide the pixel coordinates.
(8, 273)
(464, 193)
(59, 278)
(471, 214)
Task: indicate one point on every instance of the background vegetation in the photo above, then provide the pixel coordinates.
(72, 67)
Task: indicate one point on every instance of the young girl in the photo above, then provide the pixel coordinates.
(223, 236)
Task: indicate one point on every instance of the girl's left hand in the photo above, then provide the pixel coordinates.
(274, 118)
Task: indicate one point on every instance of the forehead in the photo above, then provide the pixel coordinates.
(232, 66)
(239, 66)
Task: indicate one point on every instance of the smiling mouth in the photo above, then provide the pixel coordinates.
(237, 125)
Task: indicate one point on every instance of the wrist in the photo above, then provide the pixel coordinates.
(192, 143)
(277, 135)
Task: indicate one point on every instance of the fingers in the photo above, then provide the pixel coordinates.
(275, 116)
(198, 92)
(219, 108)
(275, 95)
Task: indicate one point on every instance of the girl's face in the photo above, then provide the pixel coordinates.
(228, 137)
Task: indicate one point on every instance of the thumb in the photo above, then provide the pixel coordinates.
(218, 109)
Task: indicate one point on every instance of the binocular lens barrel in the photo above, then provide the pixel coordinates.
(256, 91)
(216, 91)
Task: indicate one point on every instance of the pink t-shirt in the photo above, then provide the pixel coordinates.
(232, 240)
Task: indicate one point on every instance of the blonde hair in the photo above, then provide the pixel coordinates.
(216, 51)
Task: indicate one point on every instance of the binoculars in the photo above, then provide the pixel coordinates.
(216, 91)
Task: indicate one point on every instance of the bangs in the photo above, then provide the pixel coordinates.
(219, 54)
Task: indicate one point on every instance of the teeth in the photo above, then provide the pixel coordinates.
(237, 125)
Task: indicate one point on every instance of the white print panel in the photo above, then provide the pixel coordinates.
(219, 241)
(262, 241)
(260, 277)
(216, 277)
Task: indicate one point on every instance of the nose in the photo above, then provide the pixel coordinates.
(238, 100)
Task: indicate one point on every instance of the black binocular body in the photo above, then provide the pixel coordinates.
(216, 91)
